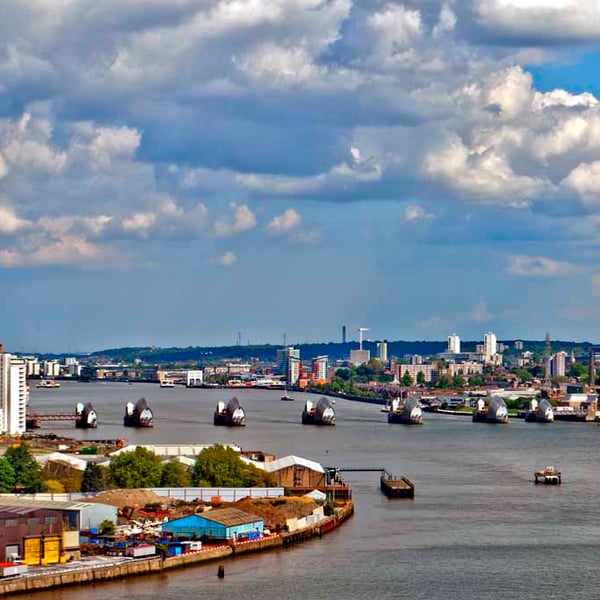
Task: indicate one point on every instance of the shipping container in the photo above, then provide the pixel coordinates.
(191, 546)
(12, 569)
(141, 551)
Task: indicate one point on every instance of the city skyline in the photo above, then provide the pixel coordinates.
(172, 174)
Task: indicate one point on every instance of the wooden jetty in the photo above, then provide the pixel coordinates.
(549, 476)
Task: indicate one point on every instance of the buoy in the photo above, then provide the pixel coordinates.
(221, 572)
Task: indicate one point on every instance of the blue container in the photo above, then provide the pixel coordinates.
(93, 530)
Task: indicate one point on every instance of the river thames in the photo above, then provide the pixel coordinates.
(477, 528)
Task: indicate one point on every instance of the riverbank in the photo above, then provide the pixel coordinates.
(75, 574)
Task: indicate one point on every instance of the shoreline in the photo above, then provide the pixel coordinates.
(86, 575)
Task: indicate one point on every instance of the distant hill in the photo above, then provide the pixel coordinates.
(335, 351)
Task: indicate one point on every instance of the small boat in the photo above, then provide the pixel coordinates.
(549, 476)
(138, 414)
(47, 383)
(286, 398)
(409, 413)
(230, 414)
(495, 411)
(396, 487)
(321, 413)
(167, 383)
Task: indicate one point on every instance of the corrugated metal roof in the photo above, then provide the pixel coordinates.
(230, 517)
(290, 461)
(9, 511)
(77, 463)
(51, 504)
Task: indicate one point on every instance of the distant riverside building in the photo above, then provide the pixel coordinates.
(51, 368)
(556, 366)
(343, 334)
(13, 393)
(454, 343)
(320, 368)
(490, 344)
(33, 366)
(518, 345)
(359, 357)
(195, 378)
(382, 351)
(288, 360)
(430, 372)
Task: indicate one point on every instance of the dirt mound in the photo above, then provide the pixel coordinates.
(275, 511)
(133, 498)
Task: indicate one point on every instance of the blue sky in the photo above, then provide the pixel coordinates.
(176, 172)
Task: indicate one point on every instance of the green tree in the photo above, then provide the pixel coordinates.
(407, 379)
(26, 469)
(107, 527)
(421, 378)
(218, 466)
(174, 474)
(578, 370)
(345, 374)
(95, 478)
(458, 382)
(523, 374)
(7, 477)
(136, 469)
(443, 382)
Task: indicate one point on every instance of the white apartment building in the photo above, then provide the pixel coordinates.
(556, 366)
(320, 366)
(490, 345)
(454, 344)
(382, 351)
(51, 368)
(290, 364)
(13, 393)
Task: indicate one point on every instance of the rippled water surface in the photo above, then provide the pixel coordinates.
(478, 527)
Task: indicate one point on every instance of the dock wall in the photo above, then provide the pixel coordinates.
(69, 577)
(85, 575)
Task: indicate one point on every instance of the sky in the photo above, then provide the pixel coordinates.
(181, 172)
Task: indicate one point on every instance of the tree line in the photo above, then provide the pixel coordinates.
(216, 466)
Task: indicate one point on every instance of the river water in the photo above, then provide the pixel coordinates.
(477, 528)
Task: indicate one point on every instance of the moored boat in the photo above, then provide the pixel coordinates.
(396, 487)
(138, 414)
(409, 413)
(167, 383)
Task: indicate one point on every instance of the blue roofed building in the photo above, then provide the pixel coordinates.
(219, 524)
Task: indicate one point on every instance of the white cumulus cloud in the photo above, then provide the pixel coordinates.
(540, 266)
(284, 223)
(242, 220)
(227, 259)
